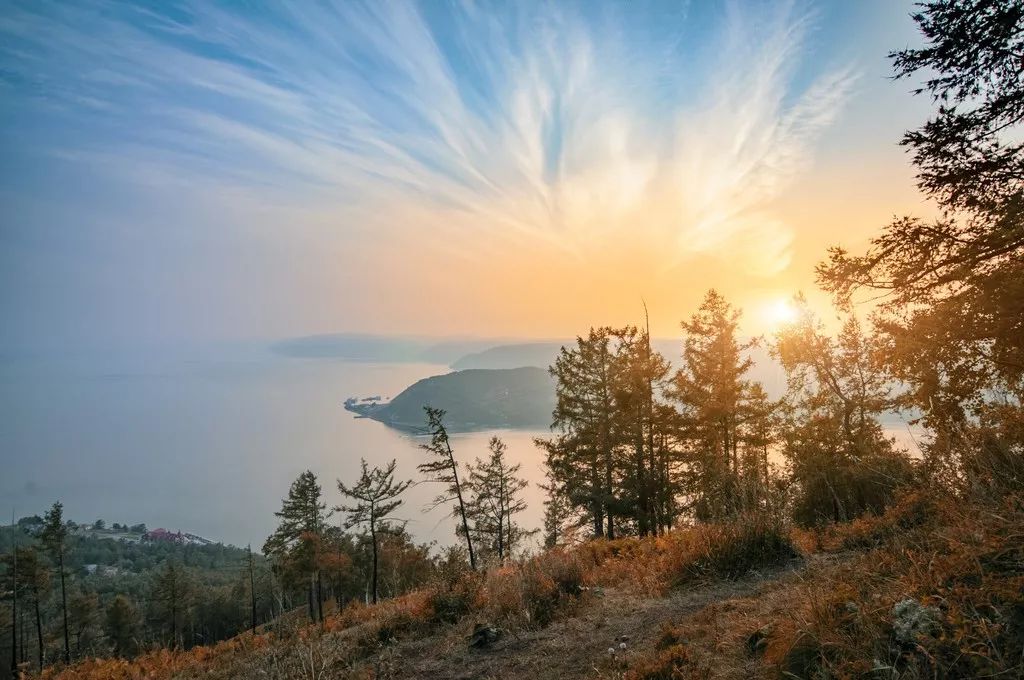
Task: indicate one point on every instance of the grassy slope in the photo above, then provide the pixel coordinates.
(832, 613)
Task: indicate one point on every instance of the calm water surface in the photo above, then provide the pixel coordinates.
(208, 442)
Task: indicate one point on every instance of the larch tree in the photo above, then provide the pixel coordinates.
(444, 469)
(35, 578)
(296, 541)
(494, 488)
(171, 591)
(582, 456)
(712, 390)
(54, 537)
(646, 427)
(376, 495)
(121, 622)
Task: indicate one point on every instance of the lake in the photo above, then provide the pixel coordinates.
(208, 441)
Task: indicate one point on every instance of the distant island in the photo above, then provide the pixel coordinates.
(475, 399)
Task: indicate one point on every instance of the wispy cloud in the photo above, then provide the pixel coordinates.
(475, 124)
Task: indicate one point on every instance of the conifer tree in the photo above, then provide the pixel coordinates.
(582, 457)
(950, 290)
(303, 522)
(34, 578)
(121, 625)
(646, 428)
(494, 500)
(54, 537)
(376, 495)
(172, 592)
(444, 469)
(712, 391)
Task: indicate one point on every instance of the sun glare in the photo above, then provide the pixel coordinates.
(780, 313)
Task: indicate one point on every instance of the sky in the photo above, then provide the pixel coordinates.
(180, 172)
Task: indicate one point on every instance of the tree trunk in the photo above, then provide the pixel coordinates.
(320, 595)
(309, 597)
(462, 508)
(39, 623)
(64, 606)
(14, 616)
(252, 593)
(373, 540)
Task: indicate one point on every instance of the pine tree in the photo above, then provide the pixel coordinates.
(950, 290)
(581, 458)
(121, 626)
(711, 389)
(34, 577)
(303, 522)
(444, 469)
(647, 429)
(494, 488)
(376, 495)
(172, 592)
(54, 537)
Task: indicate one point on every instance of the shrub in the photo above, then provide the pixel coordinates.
(449, 600)
(672, 663)
(730, 550)
(910, 511)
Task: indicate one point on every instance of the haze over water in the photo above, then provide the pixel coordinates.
(208, 441)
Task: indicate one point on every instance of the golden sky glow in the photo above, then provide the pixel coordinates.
(397, 168)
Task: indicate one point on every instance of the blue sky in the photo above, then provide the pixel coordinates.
(193, 171)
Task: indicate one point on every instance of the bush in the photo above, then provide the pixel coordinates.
(910, 511)
(671, 663)
(730, 550)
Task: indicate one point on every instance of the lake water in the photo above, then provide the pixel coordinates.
(208, 442)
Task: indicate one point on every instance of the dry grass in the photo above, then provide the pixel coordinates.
(932, 591)
(928, 589)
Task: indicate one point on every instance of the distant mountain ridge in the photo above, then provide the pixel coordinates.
(765, 370)
(381, 348)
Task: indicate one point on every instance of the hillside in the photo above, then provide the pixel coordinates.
(474, 399)
(929, 589)
(113, 575)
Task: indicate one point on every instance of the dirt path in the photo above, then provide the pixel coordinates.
(574, 646)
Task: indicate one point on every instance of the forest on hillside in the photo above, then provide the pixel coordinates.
(664, 476)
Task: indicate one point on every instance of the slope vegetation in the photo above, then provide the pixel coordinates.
(927, 590)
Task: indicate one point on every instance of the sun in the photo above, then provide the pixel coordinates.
(780, 313)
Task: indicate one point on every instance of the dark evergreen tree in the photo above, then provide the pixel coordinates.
(54, 537)
(295, 543)
(582, 457)
(171, 593)
(121, 624)
(712, 391)
(494, 489)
